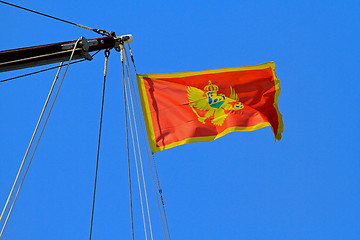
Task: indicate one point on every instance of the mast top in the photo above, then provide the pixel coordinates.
(58, 52)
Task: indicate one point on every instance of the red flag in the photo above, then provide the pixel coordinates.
(202, 106)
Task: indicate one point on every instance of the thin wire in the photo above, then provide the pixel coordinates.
(107, 53)
(136, 164)
(127, 146)
(147, 151)
(102, 32)
(137, 138)
(27, 151)
(47, 69)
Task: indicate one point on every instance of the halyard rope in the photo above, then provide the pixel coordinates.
(147, 151)
(145, 143)
(138, 143)
(127, 144)
(136, 164)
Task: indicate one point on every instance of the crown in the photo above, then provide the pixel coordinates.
(211, 87)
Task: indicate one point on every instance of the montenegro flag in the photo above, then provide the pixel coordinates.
(202, 106)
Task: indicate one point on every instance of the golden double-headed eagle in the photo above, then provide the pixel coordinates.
(212, 102)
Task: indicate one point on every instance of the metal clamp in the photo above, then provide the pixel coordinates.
(84, 44)
(107, 53)
(121, 40)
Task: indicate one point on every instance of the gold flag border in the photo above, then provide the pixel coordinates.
(148, 119)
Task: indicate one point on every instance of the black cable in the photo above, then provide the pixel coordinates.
(132, 57)
(28, 74)
(107, 53)
(102, 32)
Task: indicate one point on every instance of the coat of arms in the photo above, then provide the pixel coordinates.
(212, 102)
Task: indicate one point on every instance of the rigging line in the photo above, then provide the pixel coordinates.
(132, 57)
(102, 32)
(107, 53)
(147, 151)
(136, 164)
(127, 147)
(27, 151)
(43, 70)
(32, 156)
(161, 196)
(40, 71)
(137, 138)
(36, 128)
(30, 58)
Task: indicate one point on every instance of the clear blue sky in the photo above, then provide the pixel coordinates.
(241, 186)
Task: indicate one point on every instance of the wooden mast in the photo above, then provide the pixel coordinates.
(57, 52)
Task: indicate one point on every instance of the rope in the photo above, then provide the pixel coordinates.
(102, 32)
(46, 69)
(27, 151)
(133, 140)
(147, 151)
(137, 138)
(127, 147)
(107, 53)
(17, 193)
(32, 138)
(32, 156)
(161, 196)
(132, 58)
